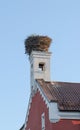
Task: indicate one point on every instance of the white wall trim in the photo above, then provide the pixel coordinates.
(29, 106)
(53, 113)
(70, 115)
(42, 94)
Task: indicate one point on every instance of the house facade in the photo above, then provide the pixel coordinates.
(53, 105)
(39, 119)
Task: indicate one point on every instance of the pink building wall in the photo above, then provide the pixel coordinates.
(38, 107)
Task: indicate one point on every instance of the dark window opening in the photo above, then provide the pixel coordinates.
(41, 66)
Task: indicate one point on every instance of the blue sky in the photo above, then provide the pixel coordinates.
(58, 19)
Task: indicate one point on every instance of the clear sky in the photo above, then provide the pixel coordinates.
(60, 20)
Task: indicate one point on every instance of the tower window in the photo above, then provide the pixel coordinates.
(41, 66)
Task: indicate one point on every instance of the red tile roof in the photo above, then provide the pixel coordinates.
(67, 95)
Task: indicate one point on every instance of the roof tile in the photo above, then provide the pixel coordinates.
(66, 94)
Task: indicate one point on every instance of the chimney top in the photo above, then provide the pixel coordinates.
(37, 43)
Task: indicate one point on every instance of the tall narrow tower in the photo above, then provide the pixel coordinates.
(37, 49)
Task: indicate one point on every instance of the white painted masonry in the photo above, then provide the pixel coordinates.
(39, 66)
(53, 112)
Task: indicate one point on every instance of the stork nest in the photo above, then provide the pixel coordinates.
(37, 43)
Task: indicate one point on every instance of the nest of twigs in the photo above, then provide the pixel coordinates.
(37, 43)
